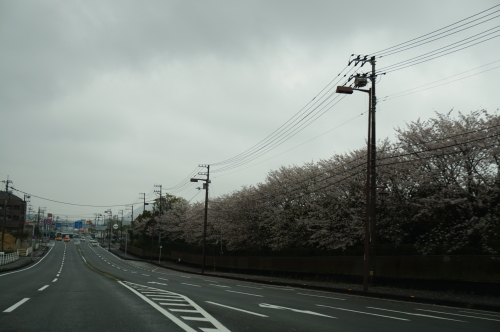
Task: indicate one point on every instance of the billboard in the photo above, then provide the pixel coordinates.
(58, 224)
(78, 224)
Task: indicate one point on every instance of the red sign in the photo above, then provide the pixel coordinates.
(49, 215)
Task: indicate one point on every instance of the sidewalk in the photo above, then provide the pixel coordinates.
(409, 295)
(23, 261)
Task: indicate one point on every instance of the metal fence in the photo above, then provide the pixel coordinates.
(8, 258)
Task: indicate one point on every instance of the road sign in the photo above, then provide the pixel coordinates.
(48, 221)
(33, 236)
(115, 226)
(58, 225)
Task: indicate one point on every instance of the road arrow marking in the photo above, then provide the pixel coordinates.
(271, 306)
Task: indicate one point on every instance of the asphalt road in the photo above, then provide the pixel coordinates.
(62, 292)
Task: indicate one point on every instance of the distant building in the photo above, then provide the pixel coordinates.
(13, 208)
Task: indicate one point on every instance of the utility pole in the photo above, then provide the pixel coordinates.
(6, 199)
(205, 220)
(109, 239)
(159, 192)
(144, 198)
(371, 197)
(121, 226)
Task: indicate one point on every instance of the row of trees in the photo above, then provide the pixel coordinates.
(443, 176)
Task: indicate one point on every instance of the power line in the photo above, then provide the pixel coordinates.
(432, 32)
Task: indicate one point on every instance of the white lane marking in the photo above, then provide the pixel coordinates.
(41, 289)
(54, 280)
(158, 283)
(219, 286)
(57, 275)
(125, 270)
(147, 275)
(447, 313)
(479, 313)
(4, 274)
(326, 297)
(249, 287)
(421, 315)
(200, 319)
(237, 309)
(184, 310)
(163, 279)
(176, 320)
(210, 280)
(176, 304)
(272, 306)
(244, 293)
(12, 308)
(190, 284)
(362, 312)
(280, 288)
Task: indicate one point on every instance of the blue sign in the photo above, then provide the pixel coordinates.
(58, 225)
(79, 224)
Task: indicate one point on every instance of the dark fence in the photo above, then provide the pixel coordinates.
(460, 268)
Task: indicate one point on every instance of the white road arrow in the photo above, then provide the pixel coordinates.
(271, 306)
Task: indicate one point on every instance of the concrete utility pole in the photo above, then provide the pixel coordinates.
(159, 192)
(205, 221)
(6, 199)
(371, 180)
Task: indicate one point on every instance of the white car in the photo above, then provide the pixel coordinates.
(94, 243)
(82, 239)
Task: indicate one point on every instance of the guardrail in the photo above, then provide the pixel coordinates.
(8, 258)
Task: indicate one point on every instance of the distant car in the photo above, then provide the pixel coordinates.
(82, 239)
(66, 238)
(59, 238)
(94, 243)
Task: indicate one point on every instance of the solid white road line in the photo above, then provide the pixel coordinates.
(421, 315)
(4, 274)
(326, 297)
(41, 289)
(244, 293)
(246, 311)
(12, 308)
(362, 312)
(190, 284)
(447, 313)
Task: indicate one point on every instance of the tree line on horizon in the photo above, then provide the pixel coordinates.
(443, 179)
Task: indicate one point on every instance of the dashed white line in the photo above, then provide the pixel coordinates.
(190, 284)
(249, 287)
(244, 293)
(54, 280)
(41, 289)
(219, 286)
(326, 297)
(12, 308)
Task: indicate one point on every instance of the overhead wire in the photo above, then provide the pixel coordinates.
(432, 32)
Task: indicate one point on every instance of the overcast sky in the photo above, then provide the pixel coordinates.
(101, 100)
